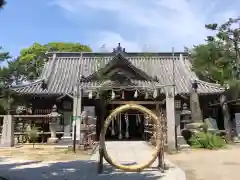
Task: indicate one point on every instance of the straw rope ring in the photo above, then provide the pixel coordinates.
(156, 121)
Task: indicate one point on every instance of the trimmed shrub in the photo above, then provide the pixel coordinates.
(33, 135)
(207, 140)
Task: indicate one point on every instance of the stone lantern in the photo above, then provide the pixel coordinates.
(188, 122)
(53, 123)
(183, 134)
(185, 116)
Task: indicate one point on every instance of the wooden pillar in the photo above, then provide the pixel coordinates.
(102, 117)
(170, 111)
(98, 123)
(161, 152)
(77, 108)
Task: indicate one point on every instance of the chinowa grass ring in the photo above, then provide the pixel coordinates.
(156, 150)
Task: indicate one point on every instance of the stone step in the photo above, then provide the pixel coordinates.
(183, 147)
(62, 147)
(65, 141)
(182, 144)
(236, 140)
(181, 140)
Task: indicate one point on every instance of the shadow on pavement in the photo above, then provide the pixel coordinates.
(73, 170)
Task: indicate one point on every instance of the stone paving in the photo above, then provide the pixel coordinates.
(123, 152)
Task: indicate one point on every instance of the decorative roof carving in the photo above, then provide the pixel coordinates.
(119, 49)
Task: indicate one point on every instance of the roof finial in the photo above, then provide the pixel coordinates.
(119, 49)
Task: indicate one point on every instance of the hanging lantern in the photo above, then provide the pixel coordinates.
(155, 93)
(146, 95)
(123, 96)
(113, 95)
(135, 94)
(90, 95)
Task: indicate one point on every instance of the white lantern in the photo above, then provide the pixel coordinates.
(155, 93)
(113, 95)
(135, 94)
(123, 96)
(90, 95)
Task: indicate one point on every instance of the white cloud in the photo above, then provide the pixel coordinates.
(160, 24)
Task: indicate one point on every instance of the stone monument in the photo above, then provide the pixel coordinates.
(237, 122)
(212, 124)
(7, 139)
(194, 104)
(237, 128)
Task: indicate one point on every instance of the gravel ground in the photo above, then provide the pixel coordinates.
(209, 164)
(53, 164)
(43, 153)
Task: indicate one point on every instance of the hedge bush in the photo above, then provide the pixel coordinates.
(207, 140)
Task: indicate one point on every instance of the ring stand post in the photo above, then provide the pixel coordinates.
(74, 135)
(160, 160)
(100, 162)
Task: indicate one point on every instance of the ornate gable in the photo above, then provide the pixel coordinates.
(119, 68)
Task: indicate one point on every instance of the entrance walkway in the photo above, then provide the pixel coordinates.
(136, 152)
(127, 152)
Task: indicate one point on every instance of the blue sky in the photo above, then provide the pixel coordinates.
(153, 25)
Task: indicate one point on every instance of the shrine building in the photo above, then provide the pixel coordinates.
(73, 82)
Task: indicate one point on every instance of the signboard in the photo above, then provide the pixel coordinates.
(67, 105)
(90, 110)
(76, 118)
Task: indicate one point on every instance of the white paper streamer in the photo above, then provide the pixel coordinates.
(113, 131)
(90, 95)
(120, 127)
(127, 125)
(138, 119)
(146, 95)
(136, 94)
(123, 96)
(113, 95)
(155, 93)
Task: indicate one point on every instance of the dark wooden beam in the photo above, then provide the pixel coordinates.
(137, 102)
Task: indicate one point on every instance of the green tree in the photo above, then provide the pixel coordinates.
(32, 58)
(219, 59)
(4, 55)
(29, 64)
(2, 3)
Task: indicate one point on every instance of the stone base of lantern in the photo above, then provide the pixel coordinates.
(52, 140)
(66, 140)
(236, 139)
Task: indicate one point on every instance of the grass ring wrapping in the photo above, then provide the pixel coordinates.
(156, 121)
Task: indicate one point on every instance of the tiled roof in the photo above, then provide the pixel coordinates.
(62, 70)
